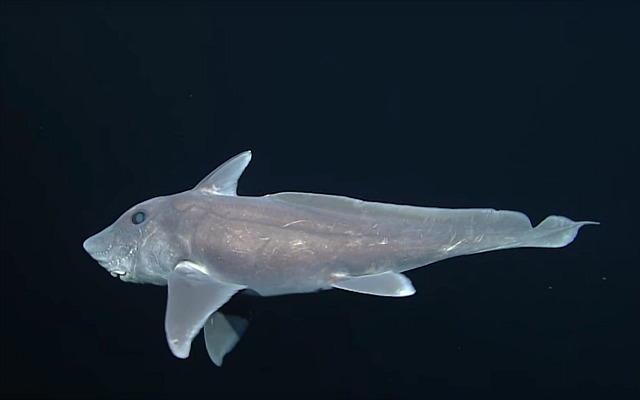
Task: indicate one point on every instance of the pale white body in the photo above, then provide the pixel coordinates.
(208, 243)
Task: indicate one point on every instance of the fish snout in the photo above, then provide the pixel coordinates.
(96, 247)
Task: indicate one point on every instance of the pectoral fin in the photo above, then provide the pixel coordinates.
(193, 295)
(385, 284)
(221, 333)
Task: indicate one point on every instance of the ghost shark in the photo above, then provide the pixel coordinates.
(207, 244)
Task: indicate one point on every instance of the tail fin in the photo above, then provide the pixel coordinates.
(555, 231)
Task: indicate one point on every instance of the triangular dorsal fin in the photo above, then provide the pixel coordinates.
(224, 179)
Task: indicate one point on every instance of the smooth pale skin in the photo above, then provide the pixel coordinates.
(207, 244)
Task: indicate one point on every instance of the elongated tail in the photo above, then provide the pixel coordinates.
(555, 231)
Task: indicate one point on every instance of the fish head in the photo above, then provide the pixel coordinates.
(135, 247)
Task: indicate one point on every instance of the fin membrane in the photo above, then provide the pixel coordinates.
(193, 296)
(224, 179)
(221, 333)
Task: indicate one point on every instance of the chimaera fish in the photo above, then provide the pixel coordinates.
(207, 244)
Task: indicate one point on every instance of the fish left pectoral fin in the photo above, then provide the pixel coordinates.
(193, 295)
(390, 284)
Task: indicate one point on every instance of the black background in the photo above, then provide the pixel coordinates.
(524, 106)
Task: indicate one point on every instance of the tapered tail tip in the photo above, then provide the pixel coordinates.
(557, 231)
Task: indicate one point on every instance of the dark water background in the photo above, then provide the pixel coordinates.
(525, 106)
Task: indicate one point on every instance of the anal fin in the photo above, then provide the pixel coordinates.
(390, 284)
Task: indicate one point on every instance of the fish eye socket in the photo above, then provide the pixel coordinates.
(138, 218)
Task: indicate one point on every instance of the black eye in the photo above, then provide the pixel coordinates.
(137, 218)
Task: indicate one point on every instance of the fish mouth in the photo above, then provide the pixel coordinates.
(115, 272)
